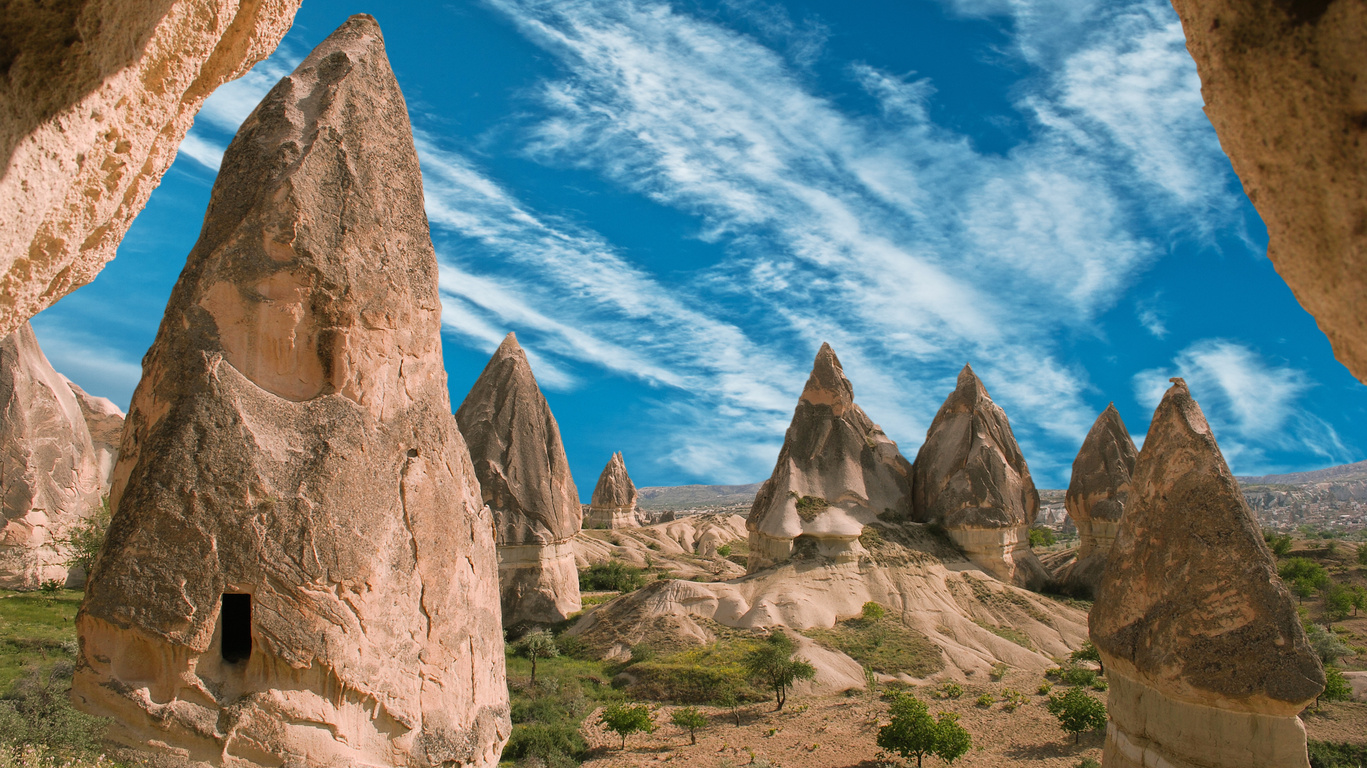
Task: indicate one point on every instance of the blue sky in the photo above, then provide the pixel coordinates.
(674, 203)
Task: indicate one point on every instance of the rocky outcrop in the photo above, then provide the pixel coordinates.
(836, 473)
(50, 475)
(299, 569)
(1207, 661)
(971, 478)
(525, 479)
(105, 422)
(614, 498)
(1096, 499)
(97, 98)
(1284, 87)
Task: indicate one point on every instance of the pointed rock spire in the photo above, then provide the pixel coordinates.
(50, 479)
(298, 537)
(836, 473)
(525, 479)
(1096, 498)
(614, 498)
(970, 477)
(1201, 641)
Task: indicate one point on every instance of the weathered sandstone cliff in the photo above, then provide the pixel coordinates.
(525, 479)
(1207, 661)
(299, 569)
(1096, 498)
(613, 504)
(98, 95)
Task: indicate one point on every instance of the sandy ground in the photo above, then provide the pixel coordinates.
(839, 732)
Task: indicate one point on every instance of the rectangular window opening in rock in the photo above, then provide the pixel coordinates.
(235, 628)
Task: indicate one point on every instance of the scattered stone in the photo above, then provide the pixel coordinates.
(614, 498)
(1096, 499)
(971, 478)
(50, 477)
(836, 473)
(1283, 86)
(95, 102)
(525, 479)
(1207, 661)
(299, 569)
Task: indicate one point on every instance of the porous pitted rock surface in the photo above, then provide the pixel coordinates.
(1096, 498)
(525, 479)
(105, 422)
(613, 504)
(1207, 661)
(292, 440)
(836, 472)
(971, 478)
(50, 477)
(97, 97)
(1285, 85)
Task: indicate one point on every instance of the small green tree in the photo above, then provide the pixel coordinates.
(1358, 596)
(1338, 601)
(1042, 537)
(1302, 589)
(1280, 544)
(83, 541)
(724, 550)
(1336, 687)
(912, 733)
(773, 666)
(1077, 712)
(1088, 652)
(690, 719)
(537, 645)
(951, 739)
(50, 589)
(731, 700)
(1362, 554)
(1300, 568)
(626, 719)
(873, 612)
(1326, 644)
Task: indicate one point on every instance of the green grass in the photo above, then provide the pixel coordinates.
(35, 631)
(696, 675)
(886, 645)
(547, 716)
(1008, 633)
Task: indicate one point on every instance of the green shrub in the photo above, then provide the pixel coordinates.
(1280, 544)
(689, 719)
(873, 612)
(772, 665)
(1302, 569)
(1042, 537)
(1338, 602)
(808, 507)
(999, 671)
(724, 550)
(626, 719)
(1325, 754)
(1326, 644)
(85, 539)
(1012, 699)
(1044, 688)
(559, 745)
(36, 709)
(986, 700)
(1077, 712)
(613, 575)
(913, 734)
(949, 691)
(1362, 554)
(1336, 687)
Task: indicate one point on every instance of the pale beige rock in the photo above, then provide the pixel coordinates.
(97, 98)
(836, 472)
(1285, 85)
(105, 422)
(525, 479)
(292, 443)
(1207, 661)
(1096, 498)
(928, 585)
(613, 504)
(685, 548)
(50, 476)
(970, 477)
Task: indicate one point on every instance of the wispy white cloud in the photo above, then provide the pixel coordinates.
(88, 360)
(1253, 405)
(1151, 315)
(202, 151)
(226, 108)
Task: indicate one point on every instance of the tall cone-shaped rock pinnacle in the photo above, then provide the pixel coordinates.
(525, 479)
(1207, 660)
(1096, 498)
(836, 473)
(970, 477)
(613, 504)
(299, 569)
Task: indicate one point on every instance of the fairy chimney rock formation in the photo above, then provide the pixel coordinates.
(1207, 661)
(525, 479)
(971, 478)
(613, 504)
(105, 422)
(299, 569)
(50, 477)
(95, 102)
(836, 472)
(1097, 495)
(1285, 86)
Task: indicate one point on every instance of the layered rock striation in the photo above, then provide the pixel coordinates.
(97, 98)
(970, 477)
(525, 479)
(1096, 498)
(613, 504)
(50, 476)
(1207, 661)
(1284, 86)
(299, 570)
(836, 473)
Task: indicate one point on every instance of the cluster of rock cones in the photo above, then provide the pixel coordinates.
(311, 558)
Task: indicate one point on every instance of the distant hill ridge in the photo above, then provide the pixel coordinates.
(687, 496)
